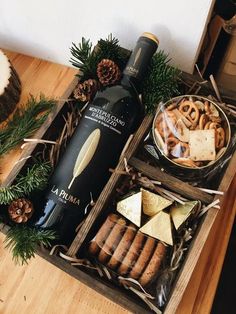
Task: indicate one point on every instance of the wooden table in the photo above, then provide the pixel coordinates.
(40, 287)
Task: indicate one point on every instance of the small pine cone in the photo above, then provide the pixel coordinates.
(86, 90)
(108, 72)
(20, 210)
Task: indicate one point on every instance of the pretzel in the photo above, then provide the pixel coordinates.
(214, 125)
(207, 125)
(220, 138)
(187, 108)
(162, 126)
(171, 142)
(185, 162)
(214, 119)
(200, 105)
(207, 107)
(171, 106)
(180, 150)
(203, 121)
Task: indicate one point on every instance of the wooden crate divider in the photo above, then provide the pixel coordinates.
(110, 186)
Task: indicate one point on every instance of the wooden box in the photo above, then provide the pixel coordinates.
(210, 221)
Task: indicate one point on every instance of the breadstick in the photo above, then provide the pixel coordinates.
(122, 247)
(102, 234)
(143, 258)
(132, 254)
(154, 264)
(112, 240)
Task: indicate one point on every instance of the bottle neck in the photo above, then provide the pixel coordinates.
(138, 62)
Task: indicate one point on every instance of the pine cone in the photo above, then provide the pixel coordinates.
(108, 72)
(20, 210)
(86, 90)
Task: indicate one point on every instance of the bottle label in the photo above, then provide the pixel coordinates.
(64, 197)
(140, 58)
(87, 157)
(105, 119)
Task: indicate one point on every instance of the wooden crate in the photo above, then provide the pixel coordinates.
(121, 296)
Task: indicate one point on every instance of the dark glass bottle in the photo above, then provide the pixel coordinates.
(114, 114)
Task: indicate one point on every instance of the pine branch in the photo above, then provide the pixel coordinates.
(86, 58)
(110, 49)
(36, 178)
(161, 82)
(25, 122)
(23, 241)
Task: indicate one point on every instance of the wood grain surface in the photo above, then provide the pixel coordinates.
(171, 182)
(41, 288)
(37, 76)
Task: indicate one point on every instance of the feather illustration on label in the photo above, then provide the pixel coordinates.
(86, 154)
(137, 56)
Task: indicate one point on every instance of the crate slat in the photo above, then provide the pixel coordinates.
(109, 187)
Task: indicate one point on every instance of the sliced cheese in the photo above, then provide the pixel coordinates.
(153, 203)
(131, 208)
(159, 227)
(181, 212)
(202, 145)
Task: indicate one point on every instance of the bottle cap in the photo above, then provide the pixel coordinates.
(151, 36)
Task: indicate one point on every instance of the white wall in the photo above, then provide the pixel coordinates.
(46, 28)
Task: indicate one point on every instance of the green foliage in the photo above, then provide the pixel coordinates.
(86, 58)
(35, 178)
(110, 49)
(23, 241)
(161, 82)
(25, 122)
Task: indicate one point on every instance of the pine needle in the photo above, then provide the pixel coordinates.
(23, 241)
(86, 58)
(35, 178)
(25, 122)
(109, 48)
(161, 82)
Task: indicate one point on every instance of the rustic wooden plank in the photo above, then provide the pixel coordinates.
(110, 186)
(171, 182)
(105, 288)
(200, 240)
(41, 287)
(37, 76)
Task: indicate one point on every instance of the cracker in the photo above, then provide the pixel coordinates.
(202, 145)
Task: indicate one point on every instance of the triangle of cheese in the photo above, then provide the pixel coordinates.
(181, 212)
(159, 227)
(131, 208)
(153, 203)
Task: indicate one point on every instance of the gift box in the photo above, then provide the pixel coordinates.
(136, 157)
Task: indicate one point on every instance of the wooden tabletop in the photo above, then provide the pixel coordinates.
(40, 287)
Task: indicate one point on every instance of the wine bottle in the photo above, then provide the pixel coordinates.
(96, 144)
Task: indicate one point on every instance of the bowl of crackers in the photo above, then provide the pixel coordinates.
(191, 134)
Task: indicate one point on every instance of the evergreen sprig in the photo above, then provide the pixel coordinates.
(161, 82)
(36, 178)
(23, 241)
(25, 122)
(86, 58)
(109, 48)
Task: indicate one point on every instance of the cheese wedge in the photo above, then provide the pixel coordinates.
(131, 208)
(202, 145)
(159, 227)
(153, 203)
(181, 212)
